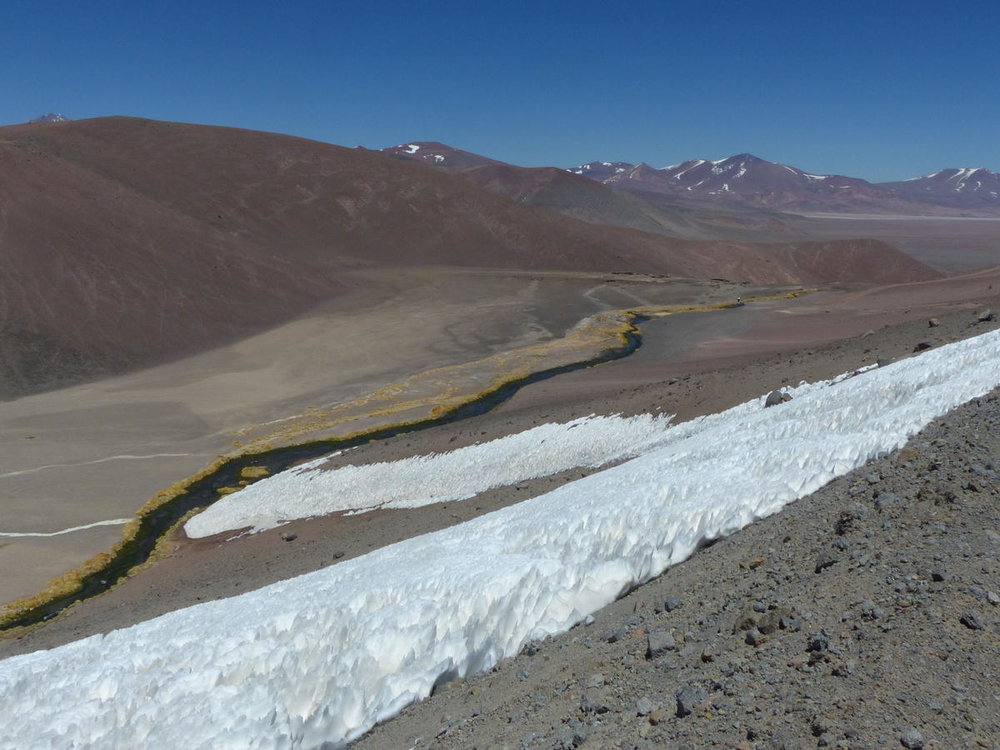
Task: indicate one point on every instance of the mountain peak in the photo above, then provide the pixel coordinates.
(51, 117)
(437, 154)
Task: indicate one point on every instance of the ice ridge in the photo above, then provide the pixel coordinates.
(437, 478)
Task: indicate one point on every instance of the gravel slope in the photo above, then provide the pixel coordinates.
(862, 616)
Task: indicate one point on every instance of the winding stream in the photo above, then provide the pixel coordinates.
(205, 491)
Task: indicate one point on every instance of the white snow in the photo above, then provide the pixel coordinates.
(438, 158)
(437, 478)
(696, 163)
(411, 148)
(322, 657)
(815, 176)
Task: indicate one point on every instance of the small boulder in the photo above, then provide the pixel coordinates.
(986, 316)
(933, 323)
(776, 397)
(659, 642)
(912, 739)
(923, 346)
(688, 698)
(971, 621)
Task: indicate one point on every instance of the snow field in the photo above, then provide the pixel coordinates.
(421, 480)
(319, 659)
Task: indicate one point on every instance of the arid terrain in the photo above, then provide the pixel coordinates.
(173, 293)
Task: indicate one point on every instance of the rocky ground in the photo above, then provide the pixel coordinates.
(863, 616)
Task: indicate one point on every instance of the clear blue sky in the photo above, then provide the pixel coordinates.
(879, 89)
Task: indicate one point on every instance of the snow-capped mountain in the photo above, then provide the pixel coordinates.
(743, 173)
(746, 173)
(956, 184)
(602, 170)
(51, 117)
(748, 180)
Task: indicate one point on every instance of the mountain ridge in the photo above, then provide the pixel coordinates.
(749, 181)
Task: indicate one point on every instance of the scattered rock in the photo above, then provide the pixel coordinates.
(659, 641)
(688, 698)
(933, 323)
(823, 562)
(818, 642)
(755, 638)
(613, 636)
(771, 621)
(923, 346)
(671, 603)
(776, 397)
(911, 739)
(593, 704)
(289, 536)
(986, 316)
(971, 621)
(643, 706)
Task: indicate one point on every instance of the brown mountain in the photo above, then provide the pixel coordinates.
(125, 242)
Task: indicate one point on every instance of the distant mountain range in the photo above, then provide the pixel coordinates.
(745, 180)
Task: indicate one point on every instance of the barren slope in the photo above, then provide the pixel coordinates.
(126, 242)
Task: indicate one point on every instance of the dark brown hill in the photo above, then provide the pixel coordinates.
(126, 242)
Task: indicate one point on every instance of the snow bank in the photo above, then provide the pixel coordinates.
(437, 478)
(321, 658)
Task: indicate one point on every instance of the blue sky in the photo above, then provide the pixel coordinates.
(879, 89)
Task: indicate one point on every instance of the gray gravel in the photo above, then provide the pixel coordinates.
(863, 616)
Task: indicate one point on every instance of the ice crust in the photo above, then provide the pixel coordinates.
(317, 660)
(436, 478)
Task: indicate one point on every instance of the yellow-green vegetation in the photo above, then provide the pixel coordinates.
(429, 395)
(435, 393)
(70, 582)
(165, 544)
